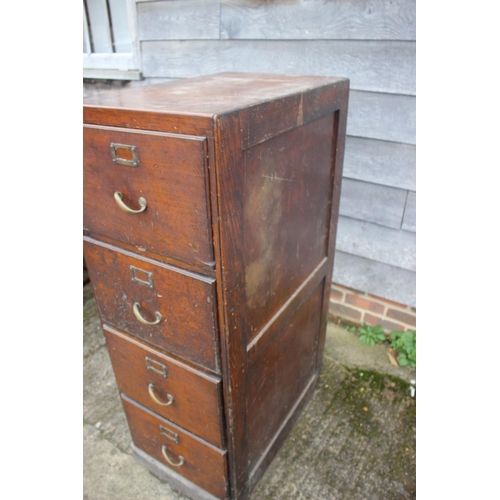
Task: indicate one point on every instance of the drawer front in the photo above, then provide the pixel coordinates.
(187, 455)
(178, 306)
(170, 175)
(175, 391)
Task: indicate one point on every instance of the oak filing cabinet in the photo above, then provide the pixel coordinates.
(210, 217)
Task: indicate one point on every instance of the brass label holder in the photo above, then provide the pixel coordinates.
(142, 277)
(156, 367)
(134, 162)
(169, 434)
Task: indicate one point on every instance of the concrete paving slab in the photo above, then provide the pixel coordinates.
(354, 441)
(345, 348)
(112, 474)
(93, 337)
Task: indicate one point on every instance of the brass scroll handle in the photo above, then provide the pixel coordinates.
(140, 317)
(151, 390)
(119, 201)
(164, 453)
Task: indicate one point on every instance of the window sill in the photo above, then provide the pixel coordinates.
(112, 74)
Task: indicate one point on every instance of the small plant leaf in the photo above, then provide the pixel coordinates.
(403, 361)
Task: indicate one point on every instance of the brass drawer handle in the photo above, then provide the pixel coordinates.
(140, 317)
(151, 390)
(164, 453)
(119, 201)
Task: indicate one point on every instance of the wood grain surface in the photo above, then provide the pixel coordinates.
(380, 162)
(272, 205)
(197, 404)
(203, 464)
(272, 173)
(374, 203)
(178, 19)
(382, 116)
(171, 177)
(377, 66)
(378, 243)
(318, 19)
(185, 301)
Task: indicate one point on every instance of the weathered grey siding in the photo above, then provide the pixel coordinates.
(372, 42)
(380, 162)
(373, 66)
(327, 19)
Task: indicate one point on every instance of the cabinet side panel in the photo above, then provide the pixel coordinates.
(338, 144)
(287, 206)
(279, 376)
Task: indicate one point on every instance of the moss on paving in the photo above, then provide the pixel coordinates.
(355, 440)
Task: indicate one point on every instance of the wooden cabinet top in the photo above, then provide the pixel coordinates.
(188, 106)
(208, 95)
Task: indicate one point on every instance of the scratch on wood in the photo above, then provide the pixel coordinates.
(300, 114)
(210, 264)
(275, 178)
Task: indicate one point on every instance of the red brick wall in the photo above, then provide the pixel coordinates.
(352, 307)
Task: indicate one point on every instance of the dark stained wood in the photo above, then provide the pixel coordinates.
(338, 146)
(279, 376)
(241, 245)
(285, 189)
(171, 176)
(203, 463)
(168, 475)
(207, 270)
(266, 120)
(283, 431)
(104, 114)
(272, 169)
(197, 100)
(185, 301)
(231, 276)
(197, 404)
(285, 313)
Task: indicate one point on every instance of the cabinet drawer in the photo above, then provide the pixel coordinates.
(175, 391)
(200, 462)
(178, 305)
(166, 170)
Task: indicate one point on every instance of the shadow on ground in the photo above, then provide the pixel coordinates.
(354, 441)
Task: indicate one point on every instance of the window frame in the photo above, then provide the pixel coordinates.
(114, 65)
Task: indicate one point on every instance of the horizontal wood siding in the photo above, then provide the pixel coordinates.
(372, 42)
(381, 66)
(365, 274)
(410, 216)
(325, 19)
(386, 117)
(178, 20)
(369, 202)
(381, 162)
(378, 243)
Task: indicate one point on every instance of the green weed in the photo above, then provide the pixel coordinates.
(405, 342)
